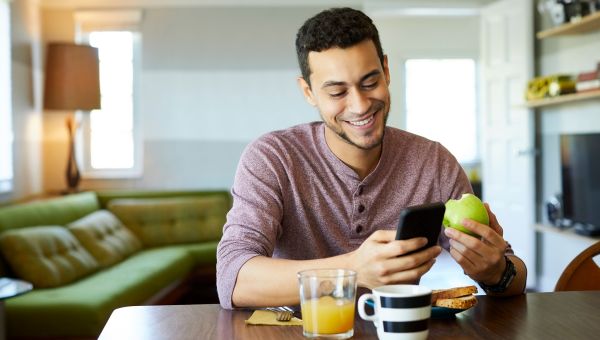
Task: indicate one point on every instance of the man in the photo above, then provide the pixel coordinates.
(328, 194)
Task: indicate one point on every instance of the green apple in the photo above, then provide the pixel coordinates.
(468, 206)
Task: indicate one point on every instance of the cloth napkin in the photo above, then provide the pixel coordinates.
(265, 317)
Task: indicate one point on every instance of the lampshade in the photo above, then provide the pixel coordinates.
(72, 77)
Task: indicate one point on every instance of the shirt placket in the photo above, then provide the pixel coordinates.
(360, 207)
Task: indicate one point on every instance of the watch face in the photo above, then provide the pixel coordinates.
(509, 274)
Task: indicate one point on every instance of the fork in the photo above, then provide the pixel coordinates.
(282, 313)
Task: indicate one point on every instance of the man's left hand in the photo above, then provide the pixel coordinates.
(481, 259)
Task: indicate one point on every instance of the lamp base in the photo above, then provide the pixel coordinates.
(72, 174)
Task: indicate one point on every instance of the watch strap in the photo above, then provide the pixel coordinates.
(507, 277)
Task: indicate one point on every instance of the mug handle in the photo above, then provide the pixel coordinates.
(361, 308)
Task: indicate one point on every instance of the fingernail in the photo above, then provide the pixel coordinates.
(449, 231)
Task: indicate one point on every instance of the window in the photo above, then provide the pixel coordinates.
(441, 104)
(109, 136)
(6, 134)
(111, 128)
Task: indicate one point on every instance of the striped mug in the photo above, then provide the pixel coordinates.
(400, 312)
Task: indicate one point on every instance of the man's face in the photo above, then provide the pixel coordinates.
(350, 89)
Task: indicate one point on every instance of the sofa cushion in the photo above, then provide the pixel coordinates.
(164, 221)
(55, 211)
(105, 237)
(46, 256)
(204, 253)
(82, 308)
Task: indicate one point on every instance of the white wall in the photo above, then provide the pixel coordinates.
(218, 81)
(209, 87)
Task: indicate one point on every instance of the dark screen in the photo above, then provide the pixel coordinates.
(580, 165)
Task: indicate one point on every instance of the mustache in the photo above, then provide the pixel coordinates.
(376, 106)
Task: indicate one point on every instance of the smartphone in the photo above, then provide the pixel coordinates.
(421, 221)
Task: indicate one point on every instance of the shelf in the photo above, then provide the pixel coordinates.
(567, 98)
(588, 23)
(544, 228)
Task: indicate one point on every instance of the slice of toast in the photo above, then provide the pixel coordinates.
(452, 293)
(463, 302)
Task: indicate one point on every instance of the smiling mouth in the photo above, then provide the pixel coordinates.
(362, 122)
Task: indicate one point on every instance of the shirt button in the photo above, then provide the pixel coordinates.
(361, 208)
(360, 190)
(358, 229)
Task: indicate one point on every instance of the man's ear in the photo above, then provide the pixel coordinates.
(306, 91)
(386, 69)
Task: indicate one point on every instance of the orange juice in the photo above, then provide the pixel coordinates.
(327, 315)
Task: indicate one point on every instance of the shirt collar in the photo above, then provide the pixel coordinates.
(344, 170)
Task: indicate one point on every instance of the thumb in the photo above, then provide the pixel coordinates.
(493, 221)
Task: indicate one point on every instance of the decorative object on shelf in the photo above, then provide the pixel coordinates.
(563, 11)
(560, 85)
(588, 81)
(72, 84)
(587, 229)
(587, 24)
(555, 10)
(554, 210)
(575, 10)
(550, 86)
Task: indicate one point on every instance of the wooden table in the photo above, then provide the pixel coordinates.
(565, 315)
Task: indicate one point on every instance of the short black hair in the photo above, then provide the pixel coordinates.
(334, 27)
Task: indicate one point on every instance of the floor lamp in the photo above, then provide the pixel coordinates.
(72, 84)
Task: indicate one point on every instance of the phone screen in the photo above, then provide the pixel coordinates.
(421, 221)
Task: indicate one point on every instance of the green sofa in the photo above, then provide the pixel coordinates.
(92, 252)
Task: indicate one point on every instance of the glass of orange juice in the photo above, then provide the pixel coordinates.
(327, 298)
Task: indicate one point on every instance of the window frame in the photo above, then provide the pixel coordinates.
(95, 21)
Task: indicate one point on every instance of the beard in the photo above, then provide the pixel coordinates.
(378, 107)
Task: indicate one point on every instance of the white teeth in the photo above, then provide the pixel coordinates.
(362, 122)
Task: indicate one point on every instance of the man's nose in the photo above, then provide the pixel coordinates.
(358, 102)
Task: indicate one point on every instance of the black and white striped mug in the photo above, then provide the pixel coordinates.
(400, 312)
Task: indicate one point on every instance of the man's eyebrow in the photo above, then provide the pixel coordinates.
(342, 83)
(370, 74)
(333, 83)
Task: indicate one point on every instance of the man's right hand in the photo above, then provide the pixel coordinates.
(381, 259)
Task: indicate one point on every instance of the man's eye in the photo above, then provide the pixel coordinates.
(337, 94)
(370, 85)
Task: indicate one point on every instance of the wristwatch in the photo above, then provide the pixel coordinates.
(509, 274)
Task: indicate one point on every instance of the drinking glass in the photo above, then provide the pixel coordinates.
(327, 299)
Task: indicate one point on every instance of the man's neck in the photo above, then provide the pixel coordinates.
(363, 162)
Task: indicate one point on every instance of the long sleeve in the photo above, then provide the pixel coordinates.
(254, 221)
